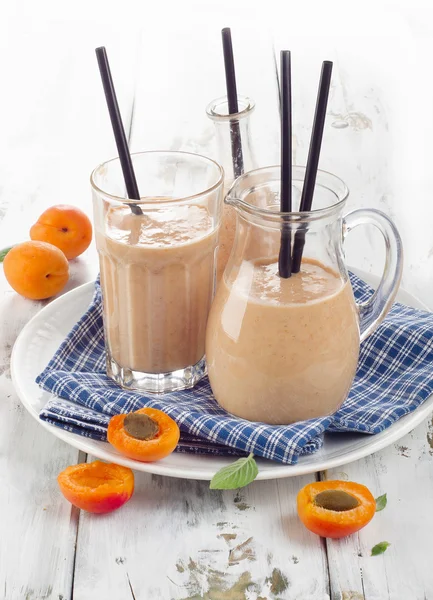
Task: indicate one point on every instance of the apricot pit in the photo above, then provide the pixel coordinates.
(337, 500)
(140, 426)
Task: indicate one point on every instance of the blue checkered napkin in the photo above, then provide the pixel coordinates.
(90, 423)
(394, 376)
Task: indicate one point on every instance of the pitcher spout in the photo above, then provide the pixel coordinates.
(231, 196)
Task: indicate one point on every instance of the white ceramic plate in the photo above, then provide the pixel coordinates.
(41, 337)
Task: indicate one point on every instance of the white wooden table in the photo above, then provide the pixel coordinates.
(177, 539)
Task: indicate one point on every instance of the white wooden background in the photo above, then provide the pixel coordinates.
(176, 539)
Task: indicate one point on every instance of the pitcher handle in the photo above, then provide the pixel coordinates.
(372, 312)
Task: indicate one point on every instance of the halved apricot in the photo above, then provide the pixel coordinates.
(335, 508)
(146, 435)
(97, 487)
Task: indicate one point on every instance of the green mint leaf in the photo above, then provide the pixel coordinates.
(381, 502)
(239, 474)
(379, 548)
(4, 252)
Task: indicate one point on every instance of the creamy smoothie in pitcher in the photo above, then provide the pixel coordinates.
(157, 276)
(282, 350)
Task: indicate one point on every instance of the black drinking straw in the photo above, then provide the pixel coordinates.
(119, 132)
(232, 100)
(284, 259)
(313, 160)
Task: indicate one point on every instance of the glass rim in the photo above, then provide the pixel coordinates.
(249, 103)
(161, 200)
(294, 216)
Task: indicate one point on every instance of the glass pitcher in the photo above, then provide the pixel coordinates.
(286, 350)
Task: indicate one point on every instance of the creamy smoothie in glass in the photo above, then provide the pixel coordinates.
(286, 350)
(158, 268)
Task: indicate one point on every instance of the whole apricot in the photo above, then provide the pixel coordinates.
(36, 270)
(66, 227)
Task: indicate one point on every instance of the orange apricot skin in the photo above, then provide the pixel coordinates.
(333, 524)
(145, 451)
(36, 270)
(66, 227)
(116, 489)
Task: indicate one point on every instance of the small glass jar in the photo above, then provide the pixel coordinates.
(229, 127)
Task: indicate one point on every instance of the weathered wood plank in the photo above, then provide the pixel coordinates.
(38, 528)
(177, 539)
(404, 472)
(55, 132)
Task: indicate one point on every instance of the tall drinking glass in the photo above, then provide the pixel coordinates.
(157, 268)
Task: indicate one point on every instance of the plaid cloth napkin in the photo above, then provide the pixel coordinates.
(394, 376)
